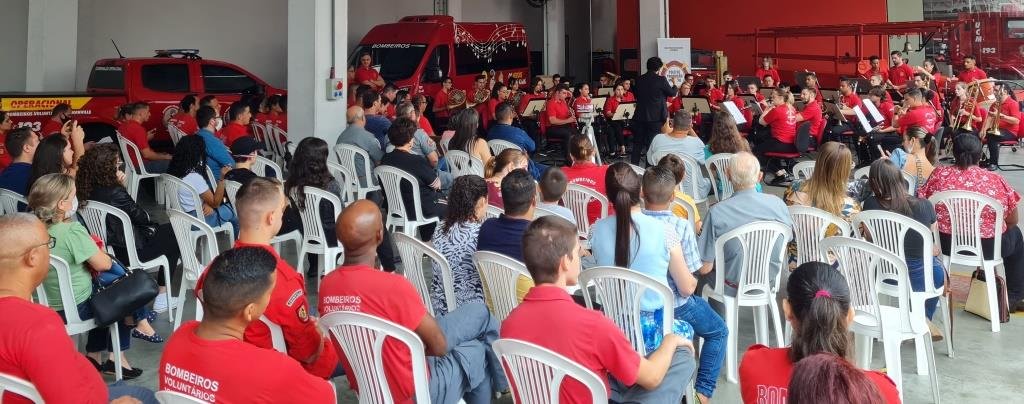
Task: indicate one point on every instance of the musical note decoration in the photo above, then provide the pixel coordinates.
(501, 38)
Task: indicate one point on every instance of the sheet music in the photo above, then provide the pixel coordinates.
(735, 112)
(862, 119)
(875, 114)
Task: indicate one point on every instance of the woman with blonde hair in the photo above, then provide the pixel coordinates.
(53, 199)
(496, 169)
(827, 188)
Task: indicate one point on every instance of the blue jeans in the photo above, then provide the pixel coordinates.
(223, 214)
(707, 325)
(99, 338)
(671, 389)
(121, 389)
(916, 269)
(469, 370)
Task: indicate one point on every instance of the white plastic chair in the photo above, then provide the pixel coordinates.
(276, 335)
(198, 245)
(498, 275)
(493, 212)
(810, 225)
(716, 166)
(535, 373)
(412, 251)
(578, 198)
(280, 139)
(231, 190)
(9, 201)
(965, 210)
(175, 132)
(260, 165)
(692, 179)
(803, 170)
(348, 181)
(391, 179)
(893, 320)
(461, 163)
(910, 180)
(620, 291)
(173, 397)
(497, 146)
(347, 157)
(637, 169)
(95, 215)
(757, 284)
(361, 337)
(691, 213)
(74, 324)
(314, 238)
(134, 173)
(21, 387)
(540, 212)
(889, 230)
(172, 186)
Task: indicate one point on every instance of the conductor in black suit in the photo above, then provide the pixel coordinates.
(651, 91)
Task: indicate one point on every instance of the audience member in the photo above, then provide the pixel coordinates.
(277, 111)
(460, 362)
(504, 234)
(212, 102)
(209, 361)
(428, 183)
(239, 117)
(308, 168)
(828, 187)
(420, 102)
(376, 122)
(456, 240)
(36, 346)
(54, 155)
(185, 119)
(585, 172)
(549, 317)
(5, 126)
(829, 378)
(917, 157)
(189, 164)
(59, 116)
(675, 165)
(217, 154)
(552, 186)
(502, 129)
(682, 140)
(496, 170)
(818, 307)
(356, 134)
(466, 136)
(21, 145)
(134, 115)
(423, 145)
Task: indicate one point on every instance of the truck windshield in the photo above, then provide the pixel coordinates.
(397, 61)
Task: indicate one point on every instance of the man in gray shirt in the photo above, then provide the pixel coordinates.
(745, 206)
(357, 135)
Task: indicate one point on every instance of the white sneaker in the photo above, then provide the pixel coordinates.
(160, 304)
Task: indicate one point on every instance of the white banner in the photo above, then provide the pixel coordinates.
(674, 52)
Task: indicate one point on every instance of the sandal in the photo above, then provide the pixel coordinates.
(155, 338)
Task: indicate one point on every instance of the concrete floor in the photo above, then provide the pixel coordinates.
(985, 368)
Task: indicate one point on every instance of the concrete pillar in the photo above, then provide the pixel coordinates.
(653, 25)
(52, 50)
(905, 11)
(311, 41)
(455, 9)
(554, 37)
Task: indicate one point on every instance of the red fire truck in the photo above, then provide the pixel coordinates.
(162, 81)
(417, 52)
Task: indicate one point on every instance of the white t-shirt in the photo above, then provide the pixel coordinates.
(185, 197)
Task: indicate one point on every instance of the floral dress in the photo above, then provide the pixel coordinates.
(457, 245)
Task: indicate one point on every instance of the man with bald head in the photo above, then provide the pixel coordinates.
(33, 343)
(356, 134)
(460, 361)
(260, 204)
(746, 205)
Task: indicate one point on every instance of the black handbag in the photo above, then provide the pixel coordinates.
(121, 298)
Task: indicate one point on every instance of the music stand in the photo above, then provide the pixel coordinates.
(829, 94)
(864, 122)
(833, 110)
(625, 111)
(745, 81)
(735, 112)
(872, 110)
(701, 103)
(605, 91)
(863, 85)
(752, 103)
(598, 103)
(534, 106)
(895, 95)
(767, 92)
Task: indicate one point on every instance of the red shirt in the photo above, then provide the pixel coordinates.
(362, 289)
(782, 120)
(185, 122)
(740, 103)
(715, 96)
(555, 109)
(812, 114)
(884, 74)
(613, 104)
(232, 371)
(888, 110)
(441, 104)
(135, 133)
(765, 373)
(232, 132)
(923, 116)
(972, 75)
(487, 114)
(289, 309)
(425, 125)
(940, 80)
(34, 346)
(590, 175)
(852, 100)
(900, 75)
(580, 101)
(1009, 107)
(366, 74)
(494, 195)
(5, 157)
(51, 126)
(979, 112)
(974, 179)
(548, 317)
(279, 120)
(629, 97)
(390, 111)
(761, 72)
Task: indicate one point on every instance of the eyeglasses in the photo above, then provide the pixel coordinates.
(51, 242)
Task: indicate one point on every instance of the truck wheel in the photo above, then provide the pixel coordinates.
(94, 132)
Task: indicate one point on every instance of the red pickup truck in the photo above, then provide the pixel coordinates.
(162, 81)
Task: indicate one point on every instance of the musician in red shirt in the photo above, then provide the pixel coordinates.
(780, 118)
(627, 86)
(900, 73)
(238, 127)
(933, 74)
(616, 140)
(918, 113)
(185, 119)
(883, 134)
(714, 94)
(849, 99)
(876, 69)
(1003, 123)
(441, 109)
(767, 69)
(366, 75)
(971, 73)
(58, 115)
(559, 120)
(976, 116)
(732, 93)
(812, 113)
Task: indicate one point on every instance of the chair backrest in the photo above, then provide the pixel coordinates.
(130, 154)
(412, 251)
(347, 179)
(172, 187)
(716, 166)
(175, 132)
(95, 214)
(536, 374)
(577, 198)
(965, 218)
(260, 165)
(196, 241)
(540, 212)
(19, 386)
(231, 190)
(692, 179)
(391, 179)
(499, 274)
(889, 231)
(497, 146)
(810, 225)
(691, 211)
(174, 397)
(313, 227)
(911, 181)
(620, 291)
(9, 201)
(347, 157)
(862, 264)
(493, 212)
(637, 169)
(803, 170)
(276, 335)
(861, 172)
(462, 163)
(361, 337)
(757, 241)
(67, 294)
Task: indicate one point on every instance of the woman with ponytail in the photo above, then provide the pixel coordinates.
(818, 308)
(917, 157)
(641, 243)
(496, 169)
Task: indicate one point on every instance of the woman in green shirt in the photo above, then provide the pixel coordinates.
(54, 201)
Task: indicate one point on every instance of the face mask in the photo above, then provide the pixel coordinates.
(74, 208)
